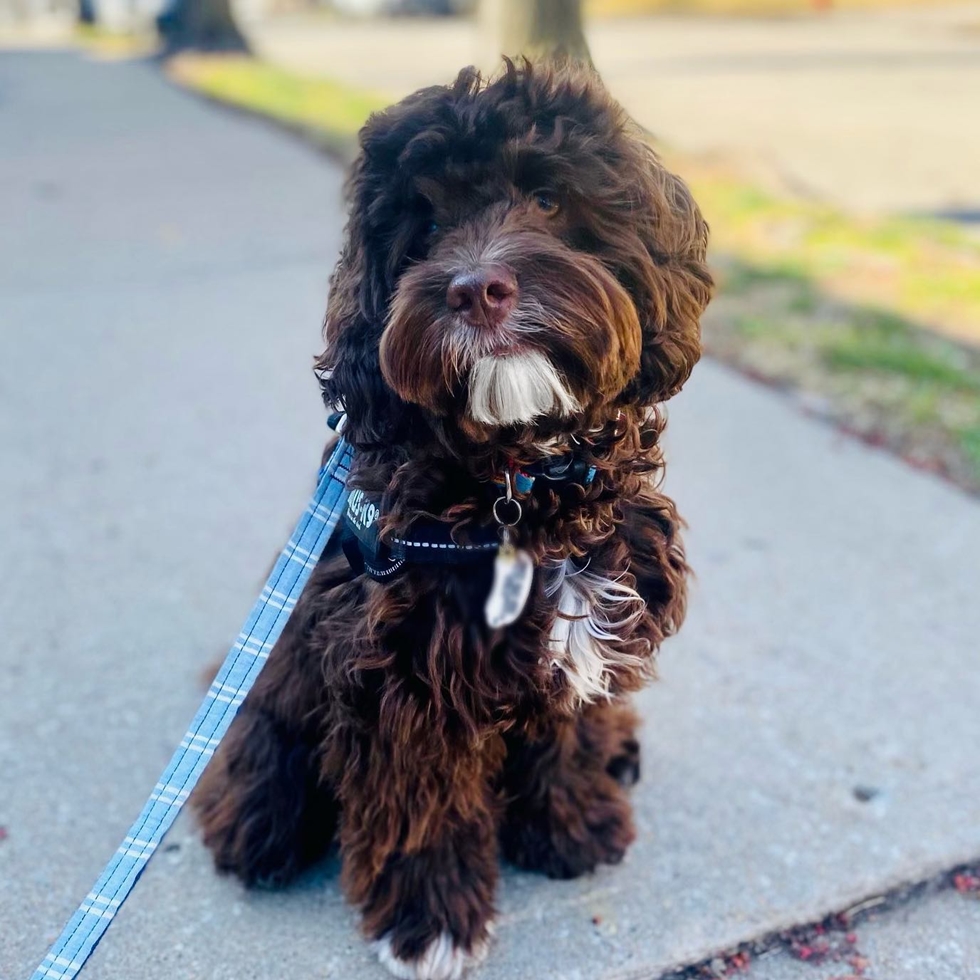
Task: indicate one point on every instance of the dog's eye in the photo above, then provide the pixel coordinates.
(546, 202)
(430, 228)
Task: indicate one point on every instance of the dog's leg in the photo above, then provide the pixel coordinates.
(419, 846)
(654, 554)
(260, 805)
(567, 809)
(264, 809)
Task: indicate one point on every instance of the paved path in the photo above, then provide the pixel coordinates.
(869, 110)
(163, 269)
(936, 938)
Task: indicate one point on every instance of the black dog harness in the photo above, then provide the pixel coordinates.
(431, 542)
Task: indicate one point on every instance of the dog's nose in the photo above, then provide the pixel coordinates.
(483, 297)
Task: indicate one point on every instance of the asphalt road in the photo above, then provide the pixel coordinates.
(163, 273)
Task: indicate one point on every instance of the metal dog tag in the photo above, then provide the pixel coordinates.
(513, 573)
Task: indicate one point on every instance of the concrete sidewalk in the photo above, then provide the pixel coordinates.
(163, 269)
(936, 938)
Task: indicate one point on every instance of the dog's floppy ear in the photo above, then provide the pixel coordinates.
(377, 241)
(381, 231)
(674, 286)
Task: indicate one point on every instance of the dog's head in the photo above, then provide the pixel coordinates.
(517, 259)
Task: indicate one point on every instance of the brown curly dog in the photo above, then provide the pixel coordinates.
(519, 289)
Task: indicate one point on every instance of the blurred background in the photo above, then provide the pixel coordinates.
(833, 145)
(170, 208)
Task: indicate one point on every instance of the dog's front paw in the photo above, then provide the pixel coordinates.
(442, 959)
(572, 833)
(430, 913)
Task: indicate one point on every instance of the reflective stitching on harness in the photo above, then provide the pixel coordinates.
(486, 546)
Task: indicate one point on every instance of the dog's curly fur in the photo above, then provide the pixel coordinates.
(390, 715)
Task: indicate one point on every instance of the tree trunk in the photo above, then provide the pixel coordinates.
(205, 25)
(537, 28)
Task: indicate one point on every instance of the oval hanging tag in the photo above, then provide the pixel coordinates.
(513, 573)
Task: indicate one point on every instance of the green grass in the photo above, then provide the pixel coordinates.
(104, 43)
(327, 110)
(864, 339)
(969, 439)
(874, 371)
(883, 343)
(926, 270)
(740, 278)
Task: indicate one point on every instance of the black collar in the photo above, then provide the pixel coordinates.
(431, 542)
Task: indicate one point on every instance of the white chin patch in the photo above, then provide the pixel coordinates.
(441, 960)
(515, 388)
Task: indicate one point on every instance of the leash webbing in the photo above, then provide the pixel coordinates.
(228, 690)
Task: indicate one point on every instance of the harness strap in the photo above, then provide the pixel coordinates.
(430, 542)
(227, 692)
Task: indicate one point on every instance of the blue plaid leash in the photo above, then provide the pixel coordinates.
(242, 665)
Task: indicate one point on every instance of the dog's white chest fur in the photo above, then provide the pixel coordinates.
(594, 615)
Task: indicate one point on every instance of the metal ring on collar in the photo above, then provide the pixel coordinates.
(511, 502)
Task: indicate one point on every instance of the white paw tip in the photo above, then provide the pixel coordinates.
(442, 959)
